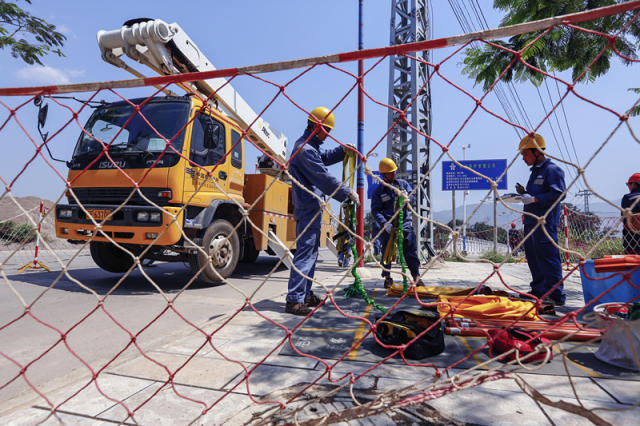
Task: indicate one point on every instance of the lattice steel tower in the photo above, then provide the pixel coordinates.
(409, 91)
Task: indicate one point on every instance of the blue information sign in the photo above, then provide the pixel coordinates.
(371, 184)
(455, 178)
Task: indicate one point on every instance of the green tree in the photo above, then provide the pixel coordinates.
(561, 49)
(368, 224)
(484, 231)
(30, 38)
(636, 109)
(441, 234)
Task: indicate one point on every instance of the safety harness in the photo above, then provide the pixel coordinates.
(357, 289)
(343, 239)
(395, 243)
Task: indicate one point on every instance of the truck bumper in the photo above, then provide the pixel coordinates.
(123, 224)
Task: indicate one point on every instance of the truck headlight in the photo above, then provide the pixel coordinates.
(142, 216)
(65, 213)
(155, 217)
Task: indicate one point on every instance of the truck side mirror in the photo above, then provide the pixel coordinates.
(211, 135)
(42, 115)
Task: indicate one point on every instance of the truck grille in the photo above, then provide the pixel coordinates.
(117, 196)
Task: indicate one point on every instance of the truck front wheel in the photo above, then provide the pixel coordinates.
(110, 257)
(221, 242)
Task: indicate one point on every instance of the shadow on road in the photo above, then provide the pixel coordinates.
(169, 277)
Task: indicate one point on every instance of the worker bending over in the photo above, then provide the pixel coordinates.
(383, 207)
(545, 187)
(631, 228)
(308, 166)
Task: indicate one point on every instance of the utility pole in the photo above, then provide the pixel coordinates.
(586, 194)
(464, 204)
(409, 92)
(360, 171)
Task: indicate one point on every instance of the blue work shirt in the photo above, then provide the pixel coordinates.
(629, 199)
(309, 167)
(383, 204)
(546, 183)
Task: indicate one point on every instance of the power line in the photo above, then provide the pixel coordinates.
(566, 120)
(498, 89)
(553, 132)
(511, 112)
(564, 141)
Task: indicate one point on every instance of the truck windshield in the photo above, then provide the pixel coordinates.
(146, 133)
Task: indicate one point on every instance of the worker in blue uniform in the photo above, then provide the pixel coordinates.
(545, 186)
(383, 207)
(308, 166)
(631, 227)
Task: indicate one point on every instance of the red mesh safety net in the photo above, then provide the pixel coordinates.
(189, 312)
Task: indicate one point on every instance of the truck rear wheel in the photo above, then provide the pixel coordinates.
(110, 257)
(222, 243)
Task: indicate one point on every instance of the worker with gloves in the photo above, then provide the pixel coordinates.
(383, 208)
(631, 228)
(546, 186)
(308, 168)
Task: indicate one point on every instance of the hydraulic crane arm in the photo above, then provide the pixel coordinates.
(168, 50)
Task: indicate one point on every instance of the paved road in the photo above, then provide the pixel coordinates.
(95, 334)
(183, 379)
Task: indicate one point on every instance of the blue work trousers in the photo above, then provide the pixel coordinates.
(544, 262)
(410, 249)
(305, 258)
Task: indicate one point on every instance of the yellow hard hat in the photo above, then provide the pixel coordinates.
(530, 142)
(322, 115)
(387, 165)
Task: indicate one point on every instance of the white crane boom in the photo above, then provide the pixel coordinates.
(168, 50)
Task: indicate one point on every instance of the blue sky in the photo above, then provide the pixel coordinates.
(234, 34)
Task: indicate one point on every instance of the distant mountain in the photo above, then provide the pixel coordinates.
(506, 216)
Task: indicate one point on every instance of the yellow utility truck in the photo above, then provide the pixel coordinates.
(164, 177)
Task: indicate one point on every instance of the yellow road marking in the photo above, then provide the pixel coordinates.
(361, 330)
(474, 356)
(582, 367)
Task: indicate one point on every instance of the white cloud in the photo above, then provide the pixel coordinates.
(66, 31)
(46, 75)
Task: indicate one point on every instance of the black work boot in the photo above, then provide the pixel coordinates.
(312, 300)
(388, 282)
(297, 309)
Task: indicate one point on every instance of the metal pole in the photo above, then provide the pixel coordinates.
(495, 223)
(566, 236)
(464, 205)
(453, 209)
(360, 171)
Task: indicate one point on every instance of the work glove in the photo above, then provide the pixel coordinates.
(388, 227)
(528, 199)
(354, 198)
